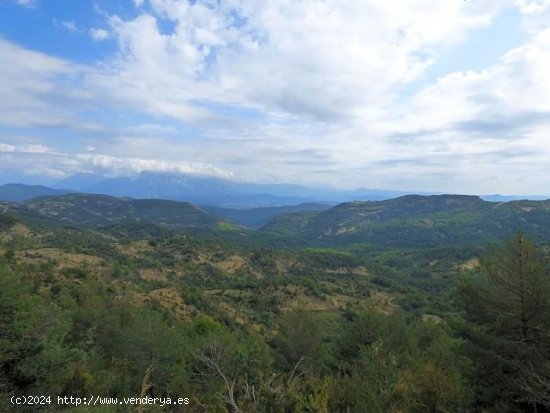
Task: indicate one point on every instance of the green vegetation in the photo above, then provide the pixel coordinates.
(508, 310)
(417, 221)
(121, 298)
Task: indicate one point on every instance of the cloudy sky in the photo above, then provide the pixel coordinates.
(424, 95)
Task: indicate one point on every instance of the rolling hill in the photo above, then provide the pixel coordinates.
(22, 192)
(90, 210)
(416, 221)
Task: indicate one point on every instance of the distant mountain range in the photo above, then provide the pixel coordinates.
(210, 191)
(21, 192)
(200, 190)
(411, 221)
(218, 192)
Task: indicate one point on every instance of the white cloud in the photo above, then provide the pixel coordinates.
(314, 58)
(518, 85)
(154, 130)
(99, 35)
(536, 13)
(27, 3)
(8, 148)
(33, 149)
(35, 87)
(474, 125)
(4, 147)
(34, 157)
(130, 165)
(70, 26)
(301, 90)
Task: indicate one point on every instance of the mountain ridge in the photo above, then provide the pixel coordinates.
(214, 192)
(21, 192)
(94, 210)
(416, 220)
(405, 222)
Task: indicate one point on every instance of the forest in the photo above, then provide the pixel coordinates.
(244, 320)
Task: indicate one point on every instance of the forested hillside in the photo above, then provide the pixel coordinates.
(422, 221)
(407, 309)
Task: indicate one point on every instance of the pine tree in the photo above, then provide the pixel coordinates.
(508, 310)
(520, 293)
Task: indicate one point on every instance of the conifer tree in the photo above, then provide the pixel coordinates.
(508, 308)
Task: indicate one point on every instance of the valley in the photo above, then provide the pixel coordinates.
(163, 284)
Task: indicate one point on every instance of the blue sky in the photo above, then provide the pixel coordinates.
(447, 96)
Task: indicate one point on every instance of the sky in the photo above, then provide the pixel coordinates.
(425, 95)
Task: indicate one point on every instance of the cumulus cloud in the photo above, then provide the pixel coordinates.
(313, 58)
(491, 123)
(129, 165)
(34, 157)
(536, 14)
(318, 91)
(514, 93)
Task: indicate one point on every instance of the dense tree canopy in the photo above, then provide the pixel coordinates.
(122, 313)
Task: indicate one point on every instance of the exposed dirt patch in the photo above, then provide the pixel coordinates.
(235, 314)
(231, 264)
(282, 265)
(470, 264)
(360, 270)
(299, 298)
(17, 231)
(150, 274)
(383, 301)
(21, 230)
(135, 248)
(346, 230)
(170, 299)
(433, 318)
(64, 259)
